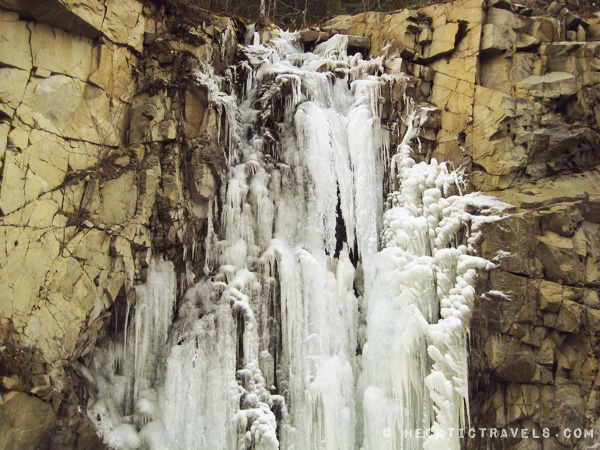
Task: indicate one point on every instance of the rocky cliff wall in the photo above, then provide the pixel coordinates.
(111, 151)
(518, 104)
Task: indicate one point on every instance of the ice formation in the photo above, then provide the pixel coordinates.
(327, 318)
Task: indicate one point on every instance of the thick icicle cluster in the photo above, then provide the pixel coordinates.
(321, 322)
(415, 359)
(125, 397)
(284, 204)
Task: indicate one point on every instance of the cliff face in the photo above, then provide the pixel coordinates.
(111, 152)
(518, 99)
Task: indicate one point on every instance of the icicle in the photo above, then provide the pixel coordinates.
(312, 296)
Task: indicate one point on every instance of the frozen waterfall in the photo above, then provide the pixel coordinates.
(334, 311)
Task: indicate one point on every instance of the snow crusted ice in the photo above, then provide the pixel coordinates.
(334, 311)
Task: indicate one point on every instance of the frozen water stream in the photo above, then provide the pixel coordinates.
(328, 318)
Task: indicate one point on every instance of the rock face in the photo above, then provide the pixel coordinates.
(517, 98)
(110, 152)
(24, 421)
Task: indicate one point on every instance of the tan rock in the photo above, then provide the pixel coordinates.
(12, 193)
(26, 257)
(562, 219)
(522, 401)
(73, 292)
(121, 248)
(139, 236)
(524, 65)
(122, 161)
(124, 23)
(61, 52)
(18, 138)
(570, 57)
(42, 386)
(593, 31)
(8, 16)
(546, 29)
(593, 318)
(529, 334)
(559, 189)
(497, 38)
(545, 355)
(42, 213)
(83, 155)
(525, 42)
(119, 197)
(561, 407)
(91, 13)
(587, 245)
(14, 45)
(308, 36)
(24, 420)
(496, 72)
(568, 357)
(55, 327)
(10, 383)
(551, 85)
(519, 363)
(493, 148)
(92, 247)
(508, 243)
(569, 317)
(550, 296)
(113, 71)
(37, 169)
(204, 186)
(149, 186)
(115, 285)
(590, 299)
(467, 10)
(68, 107)
(495, 350)
(151, 121)
(168, 129)
(4, 129)
(12, 89)
(560, 263)
(360, 43)
(425, 36)
(204, 52)
(443, 41)
(507, 19)
(41, 73)
(499, 408)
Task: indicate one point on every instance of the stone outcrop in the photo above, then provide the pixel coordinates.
(24, 421)
(517, 98)
(504, 82)
(110, 153)
(535, 363)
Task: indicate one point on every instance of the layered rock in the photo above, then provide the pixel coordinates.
(110, 153)
(517, 99)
